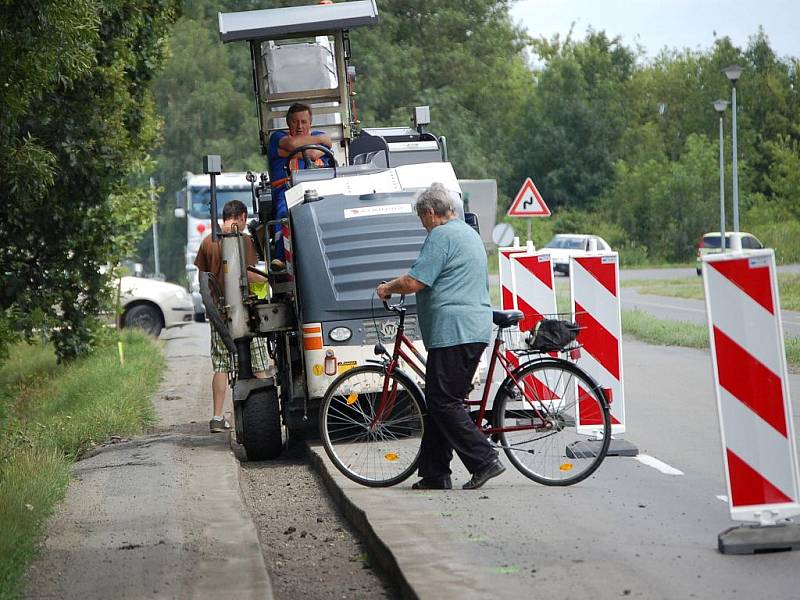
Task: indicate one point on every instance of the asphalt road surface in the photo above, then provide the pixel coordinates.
(641, 527)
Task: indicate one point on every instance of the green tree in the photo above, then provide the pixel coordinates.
(783, 177)
(465, 59)
(75, 142)
(664, 206)
(576, 118)
(204, 113)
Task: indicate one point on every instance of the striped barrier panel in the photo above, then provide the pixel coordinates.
(508, 296)
(594, 288)
(750, 376)
(507, 299)
(286, 233)
(533, 286)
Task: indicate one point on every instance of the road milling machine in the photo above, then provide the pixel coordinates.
(350, 225)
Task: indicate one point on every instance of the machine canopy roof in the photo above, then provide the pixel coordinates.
(280, 23)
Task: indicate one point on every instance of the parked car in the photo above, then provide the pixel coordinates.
(154, 305)
(565, 245)
(710, 243)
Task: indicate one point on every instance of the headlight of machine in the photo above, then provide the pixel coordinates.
(340, 334)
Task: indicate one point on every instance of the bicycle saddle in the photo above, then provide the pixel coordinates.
(506, 318)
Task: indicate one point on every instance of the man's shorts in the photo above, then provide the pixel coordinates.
(221, 358)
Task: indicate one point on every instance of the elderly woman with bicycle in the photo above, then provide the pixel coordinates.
(451, 281)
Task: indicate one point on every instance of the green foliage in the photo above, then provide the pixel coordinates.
(75, 142)
(49, 415)
(204, 94)
(665, 206)
(618, 145)
(575, 119)
(464, 59)
(783, 174)
(777, 226)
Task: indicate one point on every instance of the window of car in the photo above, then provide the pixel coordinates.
(567, 242)
(601, 244)
(711, 241)
(751, 242)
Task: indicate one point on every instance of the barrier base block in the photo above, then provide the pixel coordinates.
(755, 539)
(586, 448)
(621, 448)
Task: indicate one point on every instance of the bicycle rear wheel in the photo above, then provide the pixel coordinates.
(558, 431)
(372, 445)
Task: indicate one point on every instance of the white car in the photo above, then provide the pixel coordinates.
(710, 244)
(154, 305)
(565, 245)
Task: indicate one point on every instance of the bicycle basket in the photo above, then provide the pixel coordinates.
(552, 335)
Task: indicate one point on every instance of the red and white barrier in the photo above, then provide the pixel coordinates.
(750, 376)
(533, 287)
(507, 299)
(286, 233)
(527, 285)
(594, 287)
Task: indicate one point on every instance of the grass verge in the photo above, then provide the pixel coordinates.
(49, 415)
(788, 288)
(664, 332)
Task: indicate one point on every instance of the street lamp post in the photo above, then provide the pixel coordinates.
(720, 106)
(733, 72)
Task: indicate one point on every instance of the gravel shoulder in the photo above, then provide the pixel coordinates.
(310, 550)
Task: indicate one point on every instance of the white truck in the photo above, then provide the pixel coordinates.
(193, 203)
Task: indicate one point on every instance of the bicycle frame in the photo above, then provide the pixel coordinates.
(402, 342)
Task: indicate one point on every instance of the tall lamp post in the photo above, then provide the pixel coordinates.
(720, 106)
(733, 72)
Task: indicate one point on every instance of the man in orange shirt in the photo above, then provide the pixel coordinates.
(209, 259)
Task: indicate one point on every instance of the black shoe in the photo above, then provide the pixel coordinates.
(493, 469)
(439, 483)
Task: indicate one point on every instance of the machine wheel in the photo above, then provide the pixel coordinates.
(144, 316)
(261, 426)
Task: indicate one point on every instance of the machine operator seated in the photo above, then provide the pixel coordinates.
(283, 159)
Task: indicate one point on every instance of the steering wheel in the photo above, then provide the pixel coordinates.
(310, 163)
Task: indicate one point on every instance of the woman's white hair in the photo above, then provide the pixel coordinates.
(435, 198)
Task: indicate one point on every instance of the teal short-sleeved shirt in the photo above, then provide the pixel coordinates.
(454, 307)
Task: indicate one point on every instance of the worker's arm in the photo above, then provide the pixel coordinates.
(288, 144)
(405, 284)
(250, 255)
(255, 277)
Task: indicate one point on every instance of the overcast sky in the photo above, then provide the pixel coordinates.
(655, 24)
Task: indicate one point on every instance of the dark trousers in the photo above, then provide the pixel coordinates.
(448, 426)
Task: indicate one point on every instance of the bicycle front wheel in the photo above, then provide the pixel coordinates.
(557, 427)
(373, 437)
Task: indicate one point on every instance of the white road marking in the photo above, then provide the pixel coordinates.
(723, 498)
(652, 461)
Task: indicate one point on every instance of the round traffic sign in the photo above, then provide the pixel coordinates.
(503, 234)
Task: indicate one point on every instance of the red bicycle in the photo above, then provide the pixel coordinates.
(548, 415)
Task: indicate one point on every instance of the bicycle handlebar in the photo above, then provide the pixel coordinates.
(394, 307)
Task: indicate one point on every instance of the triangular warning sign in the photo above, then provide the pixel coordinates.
(528, 203)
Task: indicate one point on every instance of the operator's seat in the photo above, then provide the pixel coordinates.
(367, 149)
(506, 318)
